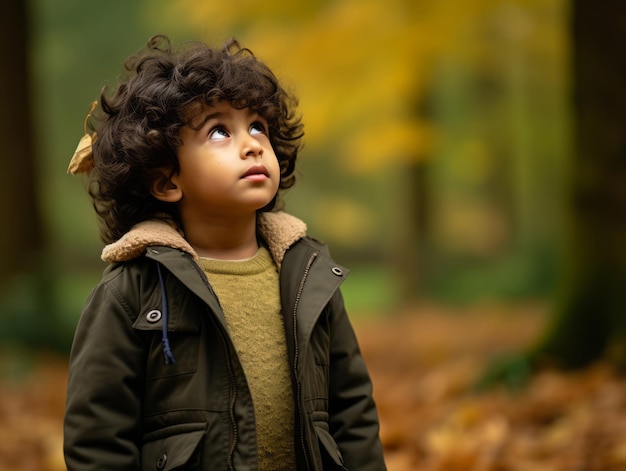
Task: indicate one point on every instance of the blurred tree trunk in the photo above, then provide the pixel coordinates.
(589, 316)
(409, 249)
(21, 239)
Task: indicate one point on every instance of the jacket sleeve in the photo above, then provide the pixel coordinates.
(103, 408)
(353, 417)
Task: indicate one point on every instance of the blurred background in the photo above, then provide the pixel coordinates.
(436, 151)
(460, 155)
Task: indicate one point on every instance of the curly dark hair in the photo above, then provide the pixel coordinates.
(138, 125)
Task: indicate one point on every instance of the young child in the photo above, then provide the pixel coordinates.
(217, 338)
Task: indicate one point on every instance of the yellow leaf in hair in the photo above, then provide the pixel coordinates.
(82, 160)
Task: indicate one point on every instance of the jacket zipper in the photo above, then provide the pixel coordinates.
(305, 274)
(233, 400)
(231, 376)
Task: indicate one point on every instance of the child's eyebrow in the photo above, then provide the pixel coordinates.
(209, 117)
(220, 114)
(201, 120)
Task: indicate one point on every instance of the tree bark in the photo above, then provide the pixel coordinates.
(588, 322)
(589, 316)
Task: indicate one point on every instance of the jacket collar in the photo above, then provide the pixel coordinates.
(279, 230)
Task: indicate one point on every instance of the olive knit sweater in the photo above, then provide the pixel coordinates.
(248, 292)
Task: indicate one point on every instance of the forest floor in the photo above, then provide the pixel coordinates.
(423, 364)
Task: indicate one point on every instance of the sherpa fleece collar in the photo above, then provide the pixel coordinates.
(280, 230)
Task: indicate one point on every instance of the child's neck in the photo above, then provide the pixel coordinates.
(223, 239)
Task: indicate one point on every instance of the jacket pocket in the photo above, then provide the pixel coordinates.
(184, 340)
(330, 451)
(173, 448)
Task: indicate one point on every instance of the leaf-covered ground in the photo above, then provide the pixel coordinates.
(423, 364)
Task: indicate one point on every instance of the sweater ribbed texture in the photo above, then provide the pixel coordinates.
(248, 291)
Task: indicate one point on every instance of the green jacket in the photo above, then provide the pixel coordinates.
(129, 408)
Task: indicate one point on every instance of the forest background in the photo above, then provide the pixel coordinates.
(444, 159)
(436, 155)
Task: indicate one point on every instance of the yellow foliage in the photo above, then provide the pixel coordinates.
(370, 148)
(343, 219)
(470, 226)
(362, 67)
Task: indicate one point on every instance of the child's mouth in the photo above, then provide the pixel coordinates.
(256, 173)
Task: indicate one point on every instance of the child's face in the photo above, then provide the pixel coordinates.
(228, 166)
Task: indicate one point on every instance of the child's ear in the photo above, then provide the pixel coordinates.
(165, 187)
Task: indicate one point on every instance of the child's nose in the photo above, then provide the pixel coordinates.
(251, 147)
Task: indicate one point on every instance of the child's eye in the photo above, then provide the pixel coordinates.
(257, 128)
(218, 133)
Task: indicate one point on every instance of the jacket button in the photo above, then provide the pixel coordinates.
(153, 316)
(337, 271)
(161, 461)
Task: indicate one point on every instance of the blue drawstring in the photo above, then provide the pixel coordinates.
(169, 356)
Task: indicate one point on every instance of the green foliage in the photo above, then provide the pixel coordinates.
(525, 273)
(30, 313)
(370, 290)
(41, 308)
